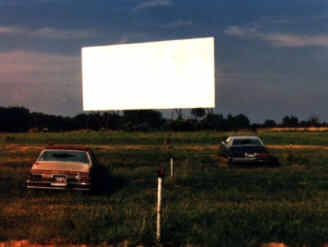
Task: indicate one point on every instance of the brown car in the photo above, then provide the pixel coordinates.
(63, 167)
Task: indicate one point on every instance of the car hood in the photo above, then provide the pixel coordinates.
(66, 167)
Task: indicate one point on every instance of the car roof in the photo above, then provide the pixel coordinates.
(231, 139)
(68, 147)
(244, 137)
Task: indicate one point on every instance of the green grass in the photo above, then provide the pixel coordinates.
(205, 204)
(157, 138)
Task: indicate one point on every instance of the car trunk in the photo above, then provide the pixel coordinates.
(60, 167)
(241, 150)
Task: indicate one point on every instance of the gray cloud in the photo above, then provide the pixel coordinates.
(43, 82)
(292, 40)
(153, 3)
(177, 24)
(278, 39)
(47, 33)
(16, 3)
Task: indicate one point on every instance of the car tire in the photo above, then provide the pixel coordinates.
(230, 163)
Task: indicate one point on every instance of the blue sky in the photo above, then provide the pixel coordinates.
(271, 56)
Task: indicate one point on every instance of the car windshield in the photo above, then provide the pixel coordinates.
(64, 156)
(255, 142)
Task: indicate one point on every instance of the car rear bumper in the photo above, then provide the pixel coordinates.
(49, 186)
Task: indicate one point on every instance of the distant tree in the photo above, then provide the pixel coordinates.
(20, 119)
(142, 120)
(290, 121)
(14, 119)
(182, 125)
(91, 121)
(198, 112)
(269, 123)
(209, 110)
(96, 121)
(213, 121)
(43, 121)
(314, 120)
(254, 127)
(239, 121)
(103, 120)
(179, 114)
(153, 118)
(81, 121)
(112, 121)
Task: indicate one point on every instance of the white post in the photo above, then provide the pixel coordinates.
(171, 166)
(159, 202)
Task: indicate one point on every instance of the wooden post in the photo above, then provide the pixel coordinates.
(159, 203)
(171, 167)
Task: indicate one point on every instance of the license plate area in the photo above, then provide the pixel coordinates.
(250, 155)
(59, 180)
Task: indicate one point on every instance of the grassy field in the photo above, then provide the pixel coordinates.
(205, 204)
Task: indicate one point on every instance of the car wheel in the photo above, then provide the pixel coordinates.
(275, 163)
(230, 163)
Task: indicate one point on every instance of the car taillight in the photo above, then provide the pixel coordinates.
(262, 155)
(84, 177)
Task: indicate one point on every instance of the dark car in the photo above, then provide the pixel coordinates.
(247, 150)
(63, 167)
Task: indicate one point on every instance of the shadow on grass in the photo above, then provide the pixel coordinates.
(274, 164)
(105, 182)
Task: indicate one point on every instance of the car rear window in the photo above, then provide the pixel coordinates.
(246, 142)
(255, 149)
(64, 156)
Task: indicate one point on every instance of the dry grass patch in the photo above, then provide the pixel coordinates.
(310, 129)
(286, 147)
(123, 147)
(16, 160)
(201, 147)
(20, 148)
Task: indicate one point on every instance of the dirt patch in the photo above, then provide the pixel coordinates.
(27, 243)
(280, 129)
(21, 148)
(18, 159)
(14, 209)
(197, 147)
(201, 147)
(274, 245)
(54, 243)
(297, 167)
(222, 161)
(286, 147)
(124, 147)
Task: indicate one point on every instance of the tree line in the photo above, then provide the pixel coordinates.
(20, 119)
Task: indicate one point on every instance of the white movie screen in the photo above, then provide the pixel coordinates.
(153, 75)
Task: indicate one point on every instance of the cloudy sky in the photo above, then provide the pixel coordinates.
(271, 56)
